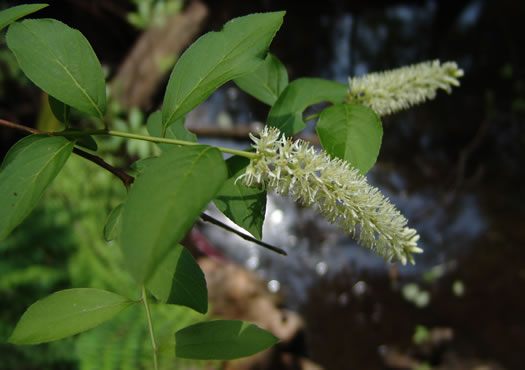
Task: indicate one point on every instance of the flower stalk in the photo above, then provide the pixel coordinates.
(340, 192)
(391, 91)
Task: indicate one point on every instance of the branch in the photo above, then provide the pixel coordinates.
(128, 180)
(216, 222)
(123, 176)
(20, 127)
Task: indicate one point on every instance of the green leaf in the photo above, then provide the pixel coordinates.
(28, 168)
(87, 142)
(60, 110)
(60, 61)
(287, 112)
(175, 131)
(243, 205)
(179, 280)
(84, 141)
(140, 164)
(113, 224)
(221, 340)
(10, 15)
(267, 82)
(166, 198)
(351, 132)
(216, 58)
(67, 313)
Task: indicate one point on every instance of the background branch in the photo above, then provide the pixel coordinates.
(142, 72)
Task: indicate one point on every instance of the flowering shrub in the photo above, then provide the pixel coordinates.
(170, 191)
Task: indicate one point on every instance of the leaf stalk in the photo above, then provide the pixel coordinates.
(150, 326)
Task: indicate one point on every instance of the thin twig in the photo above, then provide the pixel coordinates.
(466, 152)
(126, 179)
(123, 176)
(216, 222)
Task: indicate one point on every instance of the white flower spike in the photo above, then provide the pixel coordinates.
(391, 91)
(341, 194)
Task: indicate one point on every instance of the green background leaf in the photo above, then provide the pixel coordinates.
(28, 168)
(351, 132)
(179, 280)
(113, 224)
(84, 141)
(267, 82)
(166, 198)
(243, 205)
(175, 131)
(66, 313)
(216, 58)
(222, 340)
(12, 14)
(60, 110)
(287, 112)
(140, 164)
(60, 61)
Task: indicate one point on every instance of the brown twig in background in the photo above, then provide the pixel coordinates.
(19, 127)
(467, 151)
(240, 131)
(141, 73)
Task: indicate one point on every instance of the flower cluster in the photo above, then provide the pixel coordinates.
(391, 91)
(341, 194)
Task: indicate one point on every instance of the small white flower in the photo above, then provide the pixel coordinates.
(391, 91)
(340, 192)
